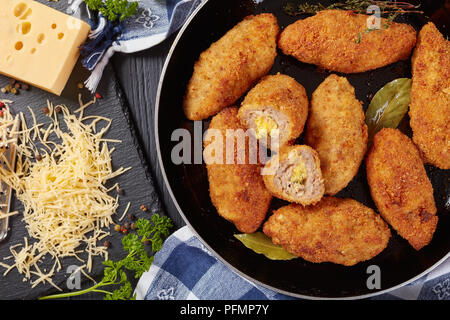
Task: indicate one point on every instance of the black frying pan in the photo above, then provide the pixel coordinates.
(188, 183)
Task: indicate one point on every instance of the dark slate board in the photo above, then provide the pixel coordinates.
(137, 183)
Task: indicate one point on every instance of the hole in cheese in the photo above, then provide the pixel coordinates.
(54, 26)
(25, 27)
(33, 50)
(60, 35)
(18, 45)
(20, 9)
(40, 38)
(26, 14)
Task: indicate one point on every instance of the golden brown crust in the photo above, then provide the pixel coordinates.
(341, 231)
(237, 190)
(430, 96)
(337, 131)
(330, 40)
(283, 94)
(400, 187)
(277, 160)
(230, 66)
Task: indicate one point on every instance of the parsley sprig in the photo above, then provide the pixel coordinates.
(113, 9)
(137, 260)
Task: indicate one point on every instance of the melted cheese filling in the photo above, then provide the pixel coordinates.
(265, 125)
(299, 173)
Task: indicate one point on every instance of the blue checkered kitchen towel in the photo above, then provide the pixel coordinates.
(185, 269)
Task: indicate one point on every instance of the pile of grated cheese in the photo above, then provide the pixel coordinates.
(62, 187)
(8, 125)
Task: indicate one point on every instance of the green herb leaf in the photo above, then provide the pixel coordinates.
(131, 243)
(154, 231)
(114, 9)
(388, 106)
(260, 243)
(111, 271)
(137, 260)
(125, 292)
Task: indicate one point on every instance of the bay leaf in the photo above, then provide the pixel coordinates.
(260, 243)
(388, 106)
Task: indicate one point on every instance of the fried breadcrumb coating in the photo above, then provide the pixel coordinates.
(236, 190)
(338, 40)
(281, 99)
(337, 131)
(430, 96)
(230, 66)
(400, 187)
(341, 231)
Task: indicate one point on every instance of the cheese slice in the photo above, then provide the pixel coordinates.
(39, 45)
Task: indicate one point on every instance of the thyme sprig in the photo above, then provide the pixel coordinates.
(385, 26)
(358, 6)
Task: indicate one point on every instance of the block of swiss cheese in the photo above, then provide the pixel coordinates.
(39, 45)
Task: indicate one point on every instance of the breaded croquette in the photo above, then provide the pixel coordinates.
(400, 187)
(337, 131)
(430, 97)
(341, 231)
(230, 66)
(277, 104)
(338, 40)
(236, 190)
(294, 175)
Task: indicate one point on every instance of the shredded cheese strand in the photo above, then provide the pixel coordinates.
(65, 200)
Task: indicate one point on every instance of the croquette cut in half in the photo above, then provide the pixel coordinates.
(338, 40)
(337, 131)
(236, 189)
(400, 187)
(336, 230)
(430, 96)
(294, 175)
(231, 66)
(278, 104)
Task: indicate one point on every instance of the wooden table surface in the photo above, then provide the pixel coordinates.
(138, 75)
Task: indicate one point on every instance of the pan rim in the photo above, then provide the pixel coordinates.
(186, 220)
